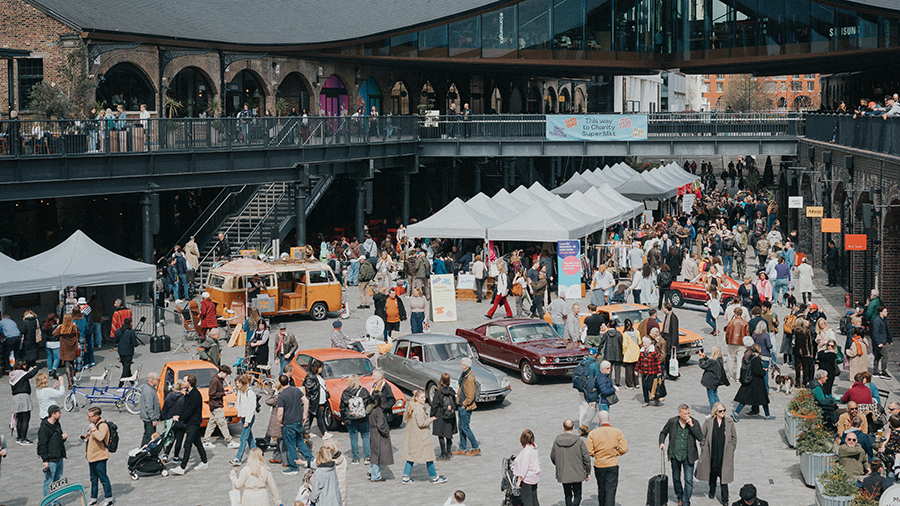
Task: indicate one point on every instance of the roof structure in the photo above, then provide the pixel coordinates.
(17, 279)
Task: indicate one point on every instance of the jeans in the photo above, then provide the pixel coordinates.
(728, 264)
(416, 322)
(683, 495)
(363, 430)
(429, 465)
(247, 441)
(529, 494)
(98, 335)
(710, 320)
(98, 473)
(55, 474)
(126, 367)
(713, 397)
(375, 472)
(637, 296)
(479, 289)
(182, 280)
(737, 410)
(293, 439)
(353, 278)
(559, 328)
(88, 357)
(52, 359)
(607, 483)
(765, 363)
(149, 429)
(284, 362)
(572, 493)
(465, 432)
(779, 288)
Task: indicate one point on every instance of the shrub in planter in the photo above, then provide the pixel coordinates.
(837, 483)
(804, 405)
(862, 498)
(814, 438)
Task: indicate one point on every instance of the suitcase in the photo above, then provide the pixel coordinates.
(658, 488)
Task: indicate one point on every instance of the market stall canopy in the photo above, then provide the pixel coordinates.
(456, 220)
(489, 207)
(79, 261)
(576, 183)
(638, 188)
(506, 199)
(18, 279)
(668, 190)
(246, 267)
(630, 208)
(538, 224)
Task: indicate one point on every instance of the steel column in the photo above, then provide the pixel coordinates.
(148, 238)
(405, 212)
(477, 178)
(301, 192)
(360, 209)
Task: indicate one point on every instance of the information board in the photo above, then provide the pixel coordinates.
(795, 202)
(443, 298)
(596, 127)
(815, 211)
(568, 260)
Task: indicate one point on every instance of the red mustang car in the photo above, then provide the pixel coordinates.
(531, 346)
(694, 291)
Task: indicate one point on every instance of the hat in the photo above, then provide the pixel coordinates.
(52, 409)
(814, 307)
(82, 300)
(337, 324)
(205, 295)
(592, 351)
(748, 492)
(282, 326)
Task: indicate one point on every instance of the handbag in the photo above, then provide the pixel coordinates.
(658, 391)
(517, 289)
(840, 356)
(612, 399)
(235, 496)
(673, 366)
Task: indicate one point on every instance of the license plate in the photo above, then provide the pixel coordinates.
(569, 372)
(489, 398)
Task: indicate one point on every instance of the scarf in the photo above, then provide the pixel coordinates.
(859, 349)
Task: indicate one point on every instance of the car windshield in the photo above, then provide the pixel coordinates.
(636, 316)
(531, 332)
(203, 376)
(343, 367)
(446, 351)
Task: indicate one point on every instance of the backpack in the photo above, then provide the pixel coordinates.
(580, 374)
(113, 443)
(356, 408)
(448, 409)
(789, 321)
(746, 374)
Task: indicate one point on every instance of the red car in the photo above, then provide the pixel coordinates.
(529, 345)
(694, 291)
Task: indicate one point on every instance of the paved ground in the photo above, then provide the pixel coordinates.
(762, 458)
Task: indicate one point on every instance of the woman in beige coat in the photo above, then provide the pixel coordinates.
(253, 480)
(858, 353)
(716, 462)
(417, 446)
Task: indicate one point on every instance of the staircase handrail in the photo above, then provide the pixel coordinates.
(223, 197)
(262, 220)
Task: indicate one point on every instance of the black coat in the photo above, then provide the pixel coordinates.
(831, 258)
(51, 447)
(30, 346)
(381, 452)
(126, 340)
(671, 338)
(753, 393)
(441, 427)
(346, 395)
(670, 429)
(713, 373)
(387, 400)
(192, 411)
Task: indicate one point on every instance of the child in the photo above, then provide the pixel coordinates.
(458, 497)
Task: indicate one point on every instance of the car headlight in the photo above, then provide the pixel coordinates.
(504, 382)
(543, 360)
(556, 360)
(399, 403)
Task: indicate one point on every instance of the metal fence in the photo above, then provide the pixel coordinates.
(872, 133)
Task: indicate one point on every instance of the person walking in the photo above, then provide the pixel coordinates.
(216, 396)
(857, 353)
(501, 291)
(192, 416)
(713, 309)
(826, 360)
(520, 289)
(479, 270)
(443, 409)
(21, 407)
(753, 387)
(671, 333)
(418, 304)
(804, 348)
(172, 405)
(682, 432)
(465, 400)
(51, 447)
(126, 341)
(713, 375)
(587, 411)
(610, 349)
(314, 384)
(365, 276)
(573, 463)
(417, 439)
(381, 451)
(631, 351)
(766, 346)
(664, 282)
(47, 396)
(805, 280)
(149, 406)
(649, 369)
(97, 452)
(325, 489)
(208, 319)
(354, 400)
(881, 339)
(285, 347)
(605, 387)
(246, 409)
(255, 481)
(32, 340)
(735, 332)
(717, 447)
(273, 428)
(67, 336)
(293, 407)
(606, 444)
(527, 469)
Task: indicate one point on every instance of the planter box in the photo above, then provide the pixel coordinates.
(827, 500)
(791, 428)
(814, 464)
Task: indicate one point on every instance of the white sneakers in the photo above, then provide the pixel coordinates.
(207, 444)
(327, 436)
(201, 466)
(177, 470)
(234, 444)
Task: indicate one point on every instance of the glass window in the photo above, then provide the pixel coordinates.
(598, 25)
(845, 30)
(344, 367)
(217, 281)
(416, 353)
(31, 72)
(695, 29)
(810, 85)
(404, 45)
(203, 375)
(626, 21)
(303, 361)
(783, 86)
(821, 23)
(568, 28)
(720, 77)
(380, 47)
(433, 42)
(771, 26)
(809, 76)
(797, 26)
(722, 20)
(446, 351)
(320, 277)
(890, 29)
(531, 332)
(720, 87)
(497, 332)
(745, 36)
(464, 37)
(402, 349)
(534, 28)
(498, 33)
(706, 87)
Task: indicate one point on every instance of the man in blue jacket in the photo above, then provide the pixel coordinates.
(587, 412)
(881, 336)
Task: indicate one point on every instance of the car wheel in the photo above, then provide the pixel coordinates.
(318, 311)
(528, 375)
(474, 351)
(675, 298)
(430, 390)
(331, 423)
(726, 302)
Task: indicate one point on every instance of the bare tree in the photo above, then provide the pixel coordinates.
(746, 93)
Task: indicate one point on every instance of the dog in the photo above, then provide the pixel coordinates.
(789, 300)
(782, 382)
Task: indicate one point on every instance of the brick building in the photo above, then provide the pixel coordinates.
(784, 92)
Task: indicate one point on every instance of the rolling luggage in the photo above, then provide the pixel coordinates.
(658, 488)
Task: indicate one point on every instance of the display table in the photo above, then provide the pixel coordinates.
(466, 294)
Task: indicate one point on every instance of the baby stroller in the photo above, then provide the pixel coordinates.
(508, 483)
(145, 461)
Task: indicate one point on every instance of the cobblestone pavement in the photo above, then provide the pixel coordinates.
(762, 457)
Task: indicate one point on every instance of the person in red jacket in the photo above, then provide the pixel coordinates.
(207, 315)
(859, 393)
(118, 318)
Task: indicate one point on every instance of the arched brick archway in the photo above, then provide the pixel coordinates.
(193, 88)
(127, 84)
(296, 90)
(400, 98)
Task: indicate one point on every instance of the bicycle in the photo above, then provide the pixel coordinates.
(128, 397)
(259, 376)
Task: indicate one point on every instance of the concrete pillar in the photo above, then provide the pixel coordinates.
(405, 211)
(360, 209)
(301, 192)
(146, 204)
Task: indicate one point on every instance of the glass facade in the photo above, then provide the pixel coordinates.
(646, 30)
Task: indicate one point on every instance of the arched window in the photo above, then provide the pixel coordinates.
(370, 96)
(399, 98)
(334, 97)
(125, 84)
(245, 88)
(550, 104)
(294, 91)
(516, 104)
(191, 87)
(496, 102)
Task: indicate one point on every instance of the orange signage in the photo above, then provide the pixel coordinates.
(831, 225)
(855, 242)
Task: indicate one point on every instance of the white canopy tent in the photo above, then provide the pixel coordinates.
(538, 224)
(577, 183)
(488, 207)
(455, 220)
(79, 261)
(19, 279)
(631, 208)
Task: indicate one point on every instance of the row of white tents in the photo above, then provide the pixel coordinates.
(589, 202)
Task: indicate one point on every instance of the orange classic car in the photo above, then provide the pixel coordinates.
(203, 371)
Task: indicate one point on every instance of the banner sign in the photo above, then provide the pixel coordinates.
(597, 127)
(687, 203)
(443, 298)
(795, 202)
(815, 211)
(465, 282)
(831, 225)
(855, 242)
(569, 268)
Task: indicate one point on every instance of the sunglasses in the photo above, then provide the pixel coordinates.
(851, 440)
(852, 409)
(720, 411)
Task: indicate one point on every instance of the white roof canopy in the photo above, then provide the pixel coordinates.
(17, 279)
(456, 220)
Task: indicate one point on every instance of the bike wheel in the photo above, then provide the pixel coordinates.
(71, 402)
(133, 401)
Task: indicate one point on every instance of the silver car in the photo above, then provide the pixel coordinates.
(417, 361)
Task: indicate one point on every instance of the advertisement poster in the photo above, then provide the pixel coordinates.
(569, 268)
(465, 282)
(443, 298)
(596, 127)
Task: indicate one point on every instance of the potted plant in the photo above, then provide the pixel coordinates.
(801, 407)
(835, 487)
(815, 446)
(863, 498)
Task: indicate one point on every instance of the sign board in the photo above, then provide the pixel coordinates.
(443, 298)
(795, 202)
(568, 260)
(891, 496)
(597, 127)
(56, 485)
(374, 326)
(687, 203)
(831, 225)
(855, 242)
(466, 282)
(815, 211)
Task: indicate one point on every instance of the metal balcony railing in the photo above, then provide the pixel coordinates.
(869, 132)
